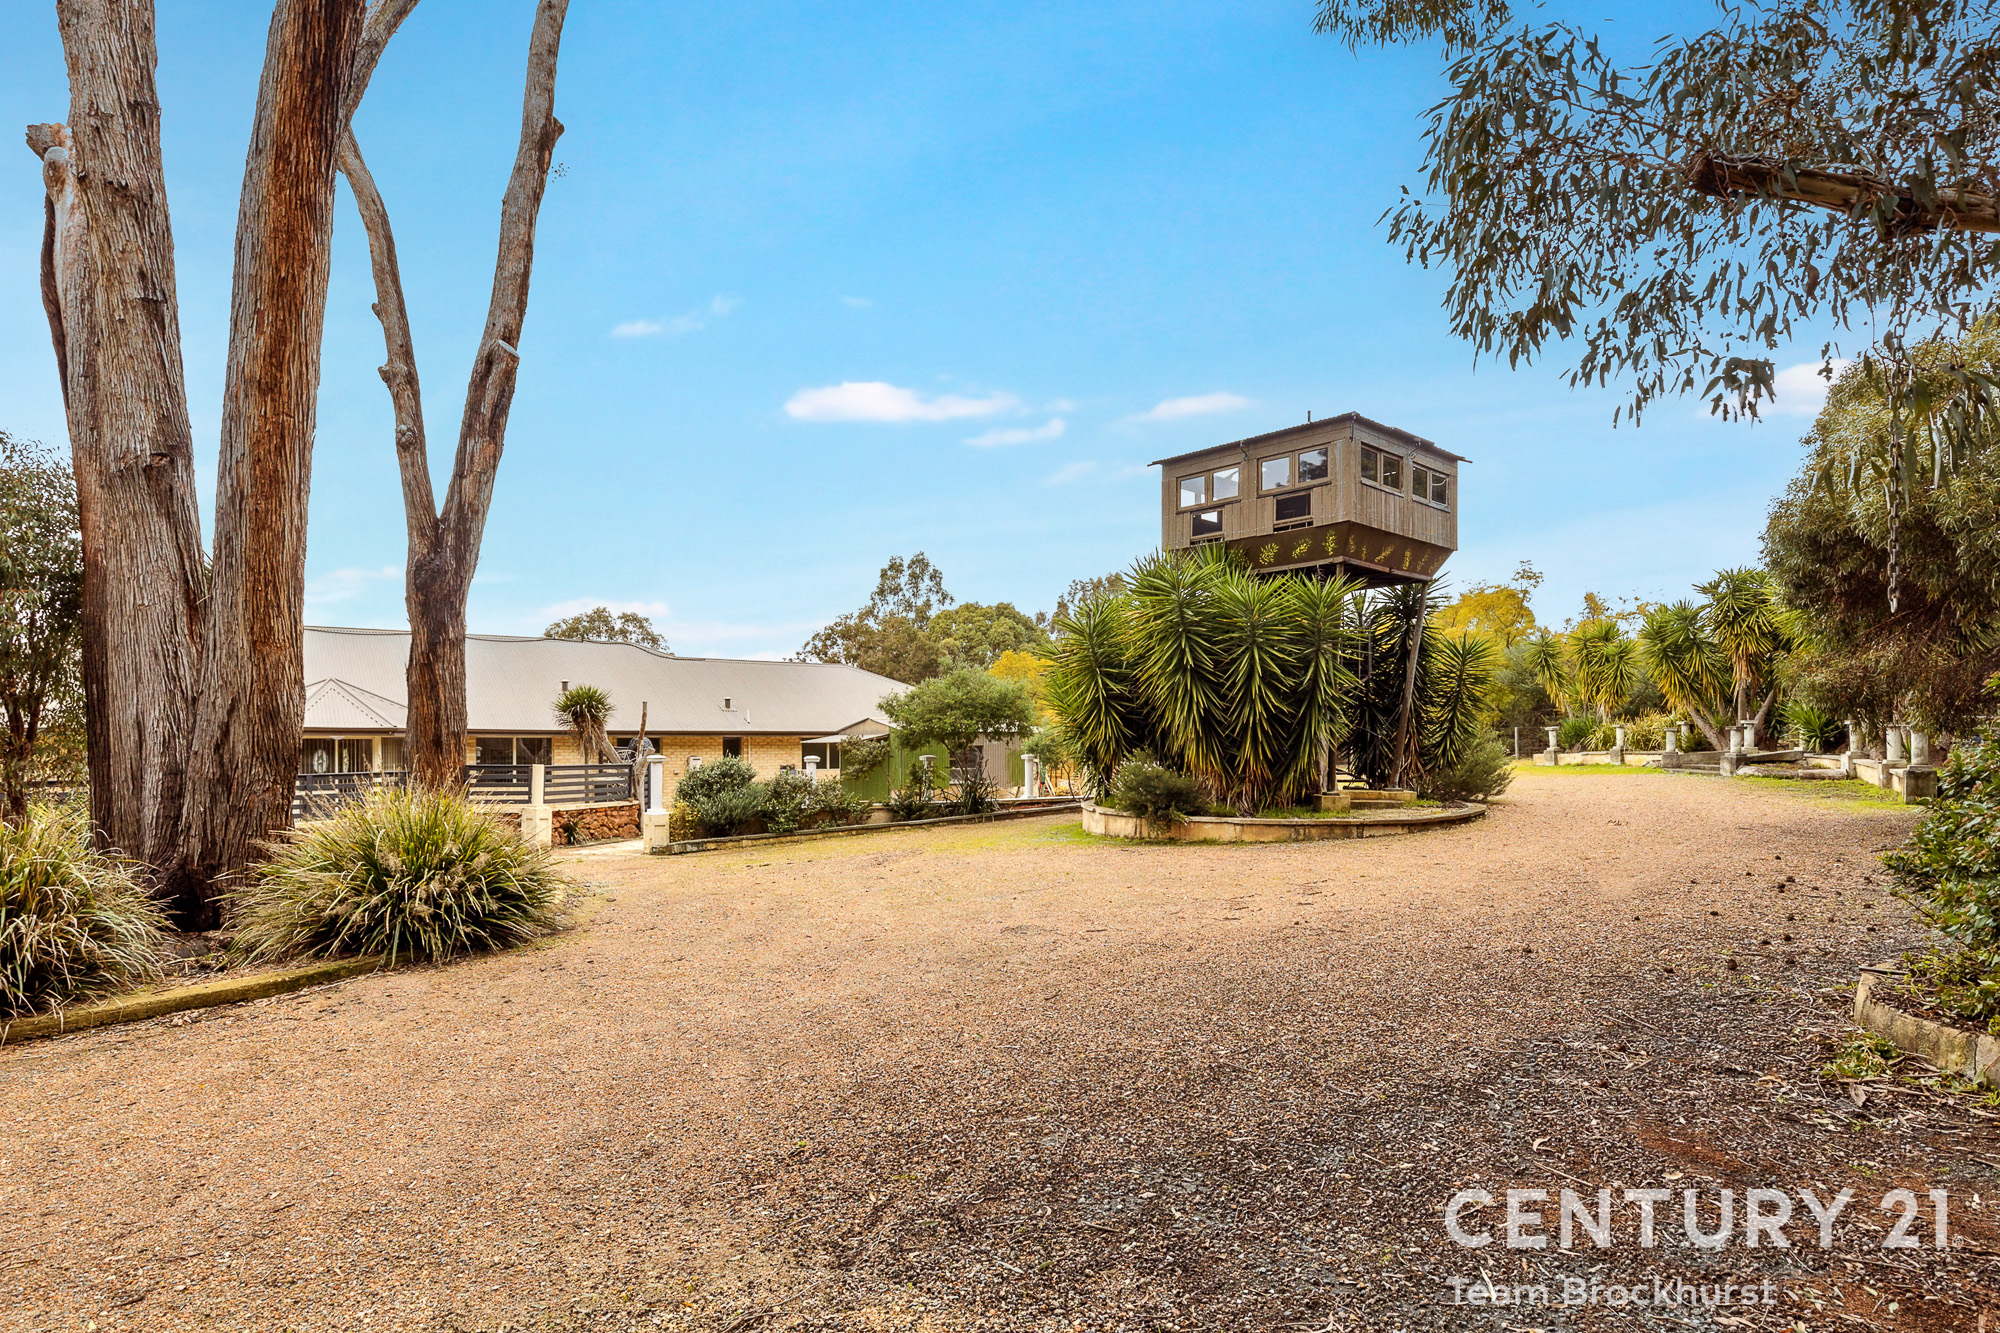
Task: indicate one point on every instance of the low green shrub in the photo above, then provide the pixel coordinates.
(74, 923)
(833, 803)
(1574, 731)
(1811, 728)
(723, 797)
(407, 874)
(1155, 792)
(1648, 731)
(1483, 772)
(917, 797)
(787, 801)
(1949, 870)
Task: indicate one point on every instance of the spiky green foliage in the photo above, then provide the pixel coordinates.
(74, 923)
(1743, 618)
(584, 709)
(1949, 869)
(1811, 728)
(1239, 681)
(1604, 666)
(407, 874)
(1456, 695)
(1546, 658)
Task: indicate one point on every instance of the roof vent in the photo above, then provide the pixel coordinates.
(726, 702)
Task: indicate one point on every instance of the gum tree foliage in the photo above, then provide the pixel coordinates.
(1826, 543)
(978, 634)
(888, 634)
(41, 614)
(603, 625)
(1679, 216)
(1498, 611)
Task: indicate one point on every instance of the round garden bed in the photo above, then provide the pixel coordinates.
(1217, 828)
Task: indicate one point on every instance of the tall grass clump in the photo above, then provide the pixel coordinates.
(74, 923)
(408, 874)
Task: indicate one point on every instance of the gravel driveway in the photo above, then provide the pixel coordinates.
(1009, 1077)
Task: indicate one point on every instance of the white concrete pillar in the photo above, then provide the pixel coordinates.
(536, 776)
(1618, 738)
(812, 766)
(1892, 736)
(1920, 747)
(1552, 736)
(1673, 735)
(1029, 787)
(656, 782)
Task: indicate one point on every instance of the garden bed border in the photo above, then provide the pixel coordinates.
(1215, 828)
(177, 999)
(1956, 1050)
(692, 845)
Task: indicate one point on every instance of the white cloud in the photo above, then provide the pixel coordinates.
(1068, 473)
(1195, 405)
(1800, 390)
(342, 585)
(692, 322)
(578, 605)
(873, 400)
(1020, 434)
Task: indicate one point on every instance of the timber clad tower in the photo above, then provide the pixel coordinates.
(1344, 496)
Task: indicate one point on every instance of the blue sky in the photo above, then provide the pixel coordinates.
(825, 283)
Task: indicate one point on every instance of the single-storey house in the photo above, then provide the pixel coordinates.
(774, 714)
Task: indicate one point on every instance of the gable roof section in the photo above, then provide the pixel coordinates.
(1345, 418)
(335, 705)
(512, 681)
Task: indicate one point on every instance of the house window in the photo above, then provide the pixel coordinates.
(354, 756)
(534, 750)
(1297, 505)
(1207, 523)
(392, 753)
(1312, 465)
(493, 750)
(1274, 473)
(1440, 490)
(1194, 491)
(1383, 469)
(316, 756)
(827, 752)
(732, 747)
(1225, 487)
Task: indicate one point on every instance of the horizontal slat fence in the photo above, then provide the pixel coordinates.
(586, 784)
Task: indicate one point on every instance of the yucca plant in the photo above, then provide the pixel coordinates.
(1811, 728)
(585, 709)
(74, 923)
(1604, 666)
(1691, 669)
(406, 874)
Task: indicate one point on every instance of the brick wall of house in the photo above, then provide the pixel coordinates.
(766, 754)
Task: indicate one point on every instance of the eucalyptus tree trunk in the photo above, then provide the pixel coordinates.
(193, 686)
(114, 319)
(250, 699)
(444, 543)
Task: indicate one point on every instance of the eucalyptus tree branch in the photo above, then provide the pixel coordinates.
(1900, 210)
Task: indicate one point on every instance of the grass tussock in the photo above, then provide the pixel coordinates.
(74, 923)
(409, 875)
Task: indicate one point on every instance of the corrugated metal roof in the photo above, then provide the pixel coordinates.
(1345, 418)
(511, 682)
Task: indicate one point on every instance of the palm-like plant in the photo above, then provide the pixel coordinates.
(1550, 664)
(1743, 618)
(1604, 666)
(1691, 669)
(1242, 682)
(585, 709)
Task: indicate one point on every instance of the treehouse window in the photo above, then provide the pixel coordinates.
(1440, 490)
(1297, 505)
(1224, 487)
(1207, 523)
(1312, 465)
(1381, 469)
(1275, 473)
(1194, 491)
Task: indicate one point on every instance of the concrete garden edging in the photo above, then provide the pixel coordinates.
(178, 999)
(1955, 1050)
(1215, 828)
